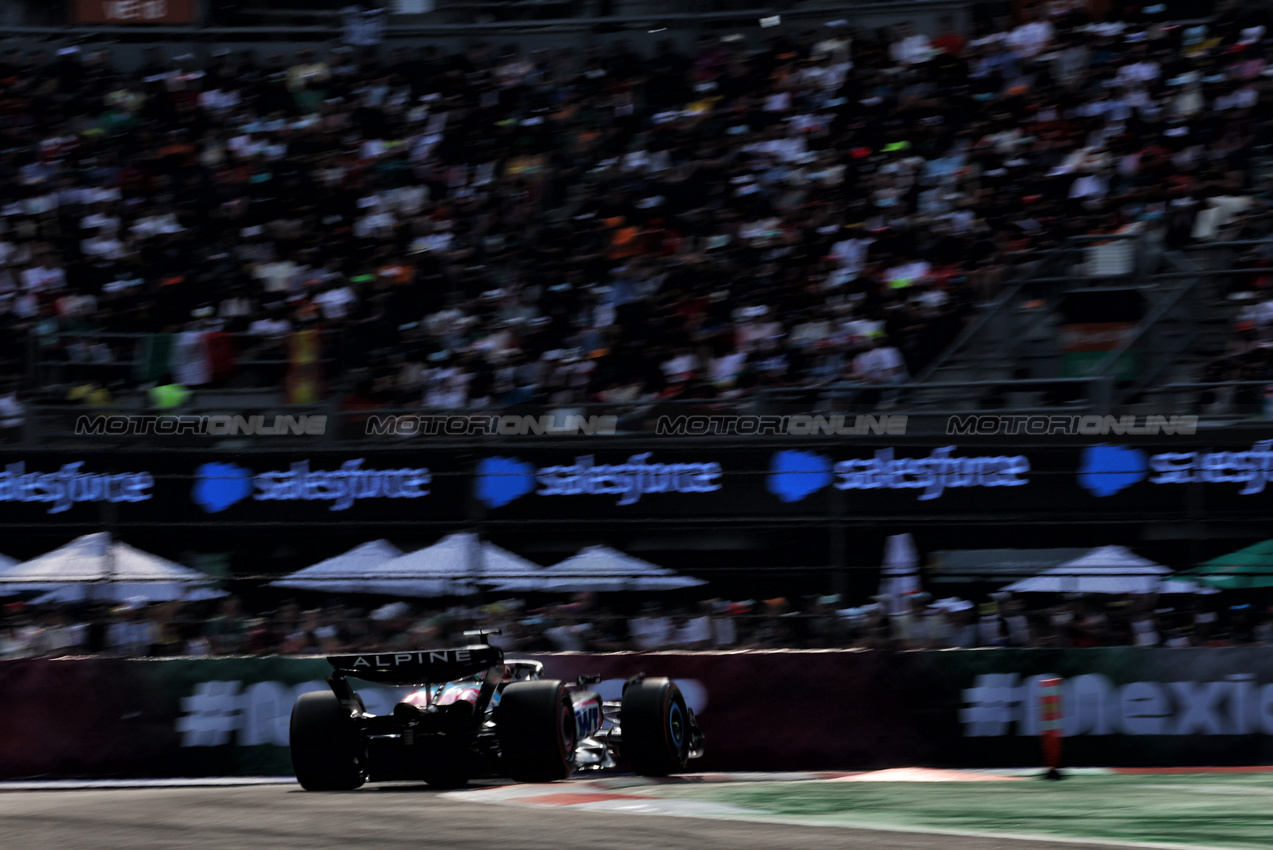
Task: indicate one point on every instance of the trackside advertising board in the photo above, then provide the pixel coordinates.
(776, 710)
(595, 482)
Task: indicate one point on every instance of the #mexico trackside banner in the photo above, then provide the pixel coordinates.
(770, 710)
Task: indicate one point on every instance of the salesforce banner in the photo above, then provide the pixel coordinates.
(218, 486)
(320, 488)
(599, 481)
(591, 483)
(73, 484)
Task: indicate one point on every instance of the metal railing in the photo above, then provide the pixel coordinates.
(256, 423)
(259, 361)
(1180, 300)
(316, 25)
(1039, 277)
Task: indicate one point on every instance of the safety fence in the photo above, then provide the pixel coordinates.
(773, 710)
(323, 19)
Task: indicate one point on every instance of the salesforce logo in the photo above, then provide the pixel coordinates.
(61, 489)
(1252, 468)
(501, 480)
(1105, 470)
(795, 475)
(220, 485)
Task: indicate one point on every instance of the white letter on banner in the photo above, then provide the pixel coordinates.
(267, 710)
(210, 714)
(1199, 704)
(1264, 710)
(1242, 705)
(1086, 702)
(1143, 709)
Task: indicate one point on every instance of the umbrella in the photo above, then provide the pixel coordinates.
(901, 572)
(600, 569)
(1109, 569)
(94, 566)
(351, 565)
(1240, 570)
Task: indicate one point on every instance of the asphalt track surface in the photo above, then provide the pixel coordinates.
(283, 817)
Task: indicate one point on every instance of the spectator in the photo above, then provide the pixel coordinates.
(12, 416)
(1032, 36)
(948, 40)
(226, 632)
(909, 47)
(168, 394)
(132, 633)
(880, 365)
(569, 631)
(1017, 623)
(962, 625)
(496, 206)
(651, 630)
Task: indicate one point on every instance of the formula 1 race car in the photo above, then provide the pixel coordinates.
(477, 715)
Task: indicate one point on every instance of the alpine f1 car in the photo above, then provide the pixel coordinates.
(477, 715)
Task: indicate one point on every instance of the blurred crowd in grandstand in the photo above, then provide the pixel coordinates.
(224, 628)
(496, 227)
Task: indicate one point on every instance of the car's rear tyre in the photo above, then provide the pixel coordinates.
(655, 722)
(535, 724)
(327, 751)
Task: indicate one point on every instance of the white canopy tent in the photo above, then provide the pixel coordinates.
(352, 566)
(96, 567)
(1108, 569)
(128, 592)
(5, 563)
(1180, 585)
(601, 569)
(451, 567)
(901, 572)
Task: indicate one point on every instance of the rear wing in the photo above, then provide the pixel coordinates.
(418, 667)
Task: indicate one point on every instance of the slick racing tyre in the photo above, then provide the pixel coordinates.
(655, 723)
(327, 752)
(535, 724)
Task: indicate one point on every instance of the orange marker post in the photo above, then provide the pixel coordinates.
(1050, 727)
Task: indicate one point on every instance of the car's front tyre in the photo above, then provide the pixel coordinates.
(327, 751)
(655, 722)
